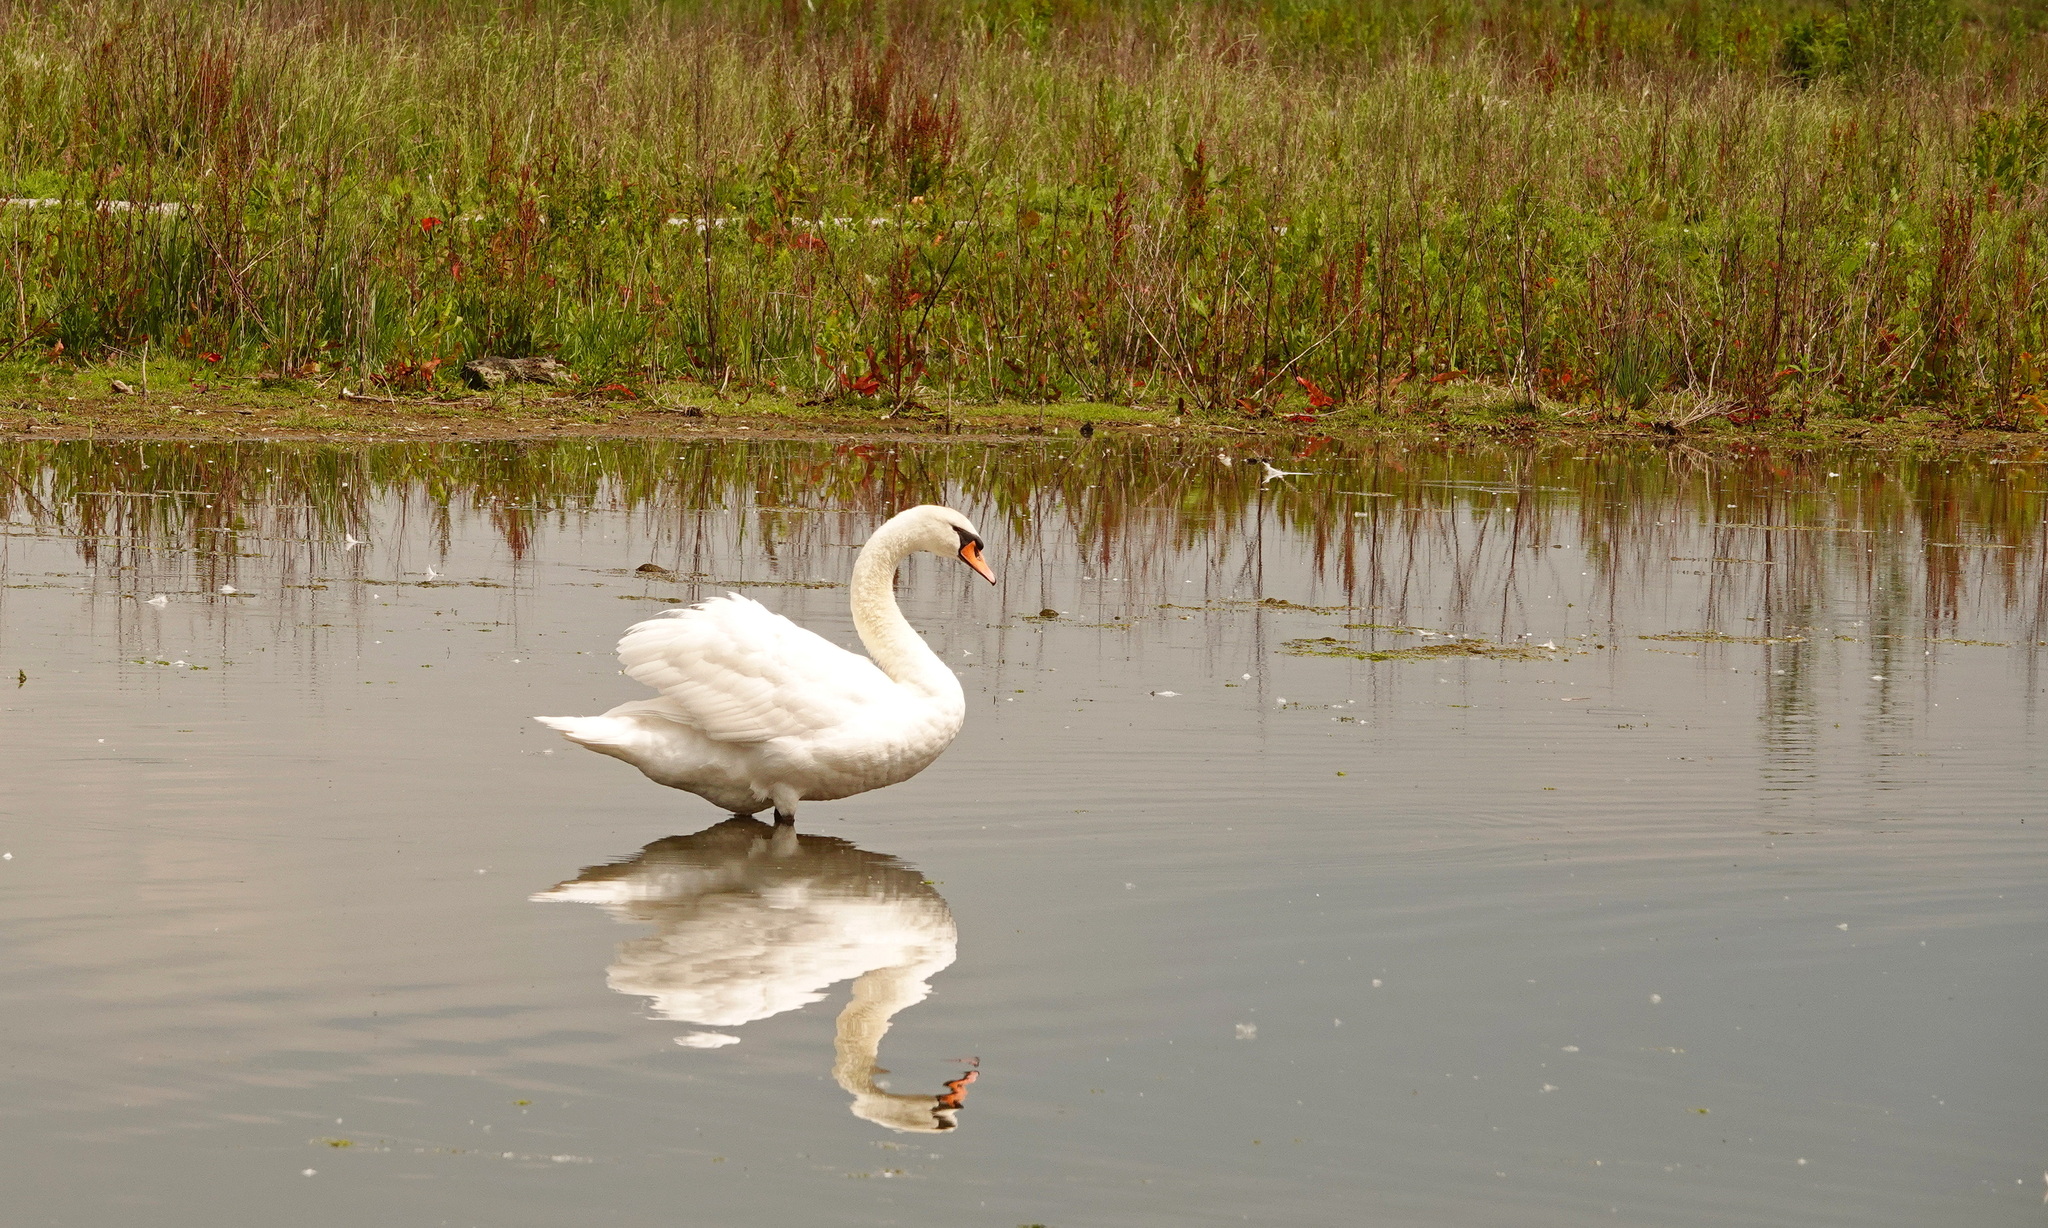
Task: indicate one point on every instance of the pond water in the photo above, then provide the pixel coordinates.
(1692, 872)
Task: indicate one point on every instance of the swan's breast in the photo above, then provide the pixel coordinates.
(853, 759)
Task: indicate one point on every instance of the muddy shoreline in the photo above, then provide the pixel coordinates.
(320, 416)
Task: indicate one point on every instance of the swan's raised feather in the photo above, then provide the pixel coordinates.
(738, 672)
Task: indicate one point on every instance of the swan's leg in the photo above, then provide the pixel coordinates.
(785, 800)
(785, 820)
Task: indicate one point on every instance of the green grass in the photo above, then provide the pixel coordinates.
(1647, 210)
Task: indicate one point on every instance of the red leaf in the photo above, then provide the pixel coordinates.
(1309, 418)
(427, 224)
(210, 356)
(1317, 398)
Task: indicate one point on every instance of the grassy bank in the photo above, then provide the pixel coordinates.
(1626, 212)
(693, 410)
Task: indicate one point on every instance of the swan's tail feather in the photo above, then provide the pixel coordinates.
(591, 731)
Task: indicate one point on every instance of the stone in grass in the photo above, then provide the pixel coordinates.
(484, 374)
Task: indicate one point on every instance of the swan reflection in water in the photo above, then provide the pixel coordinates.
(752, 920)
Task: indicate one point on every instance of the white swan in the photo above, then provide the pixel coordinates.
(751, 921)
(755, 711)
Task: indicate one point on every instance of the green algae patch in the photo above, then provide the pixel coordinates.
(1719, 637)
(1281, 603)
(1330, 646)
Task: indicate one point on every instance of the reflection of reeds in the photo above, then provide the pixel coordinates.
(1732, 207)
(1456, 536)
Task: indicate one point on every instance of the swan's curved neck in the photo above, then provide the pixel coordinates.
(889, 638)
(857, 1036)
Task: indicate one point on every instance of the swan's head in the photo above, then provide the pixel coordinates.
(906, 1114)
(915, 1114)
(941, 530)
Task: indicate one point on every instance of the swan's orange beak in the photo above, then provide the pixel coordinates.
(970, 554)
(956, 1090)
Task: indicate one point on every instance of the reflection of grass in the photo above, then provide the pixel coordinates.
(1137, 506)
(1328, 646)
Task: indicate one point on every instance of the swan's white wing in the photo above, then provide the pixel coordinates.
(742, 673)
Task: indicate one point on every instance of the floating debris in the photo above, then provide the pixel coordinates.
(1267, 471)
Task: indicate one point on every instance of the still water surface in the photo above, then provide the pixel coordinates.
(304, 922)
